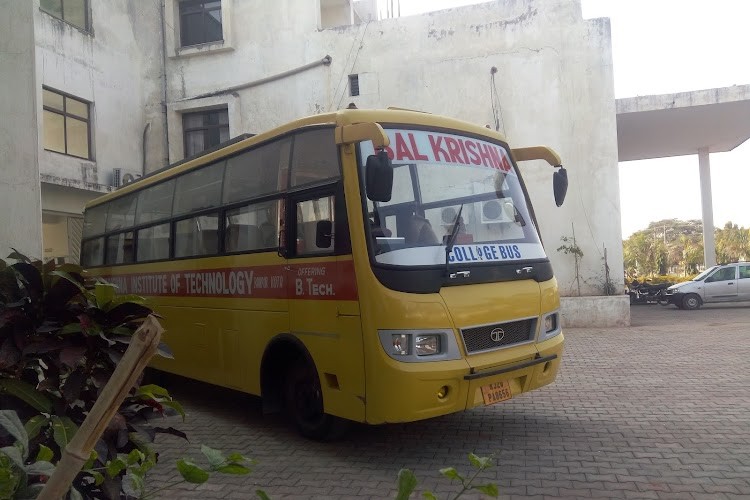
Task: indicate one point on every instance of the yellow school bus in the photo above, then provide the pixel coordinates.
(363, 265)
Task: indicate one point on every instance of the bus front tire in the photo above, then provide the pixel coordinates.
(303, 399)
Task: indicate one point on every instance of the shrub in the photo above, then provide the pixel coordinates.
(61, 336)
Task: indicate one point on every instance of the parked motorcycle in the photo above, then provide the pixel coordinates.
(647, 293)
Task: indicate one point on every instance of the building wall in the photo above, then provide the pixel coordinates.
(553, 79)
(20, 202)
(117, 67)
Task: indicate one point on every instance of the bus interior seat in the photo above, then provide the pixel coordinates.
(159, 248)
(209, 242)
(241, 237)
(419, 232)
(379, 231)
(128, 250)
(269, 235)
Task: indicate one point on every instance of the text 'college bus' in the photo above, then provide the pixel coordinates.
(366, 265)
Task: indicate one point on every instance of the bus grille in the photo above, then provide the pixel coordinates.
(481, 338)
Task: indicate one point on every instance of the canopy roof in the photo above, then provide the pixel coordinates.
(658, 126)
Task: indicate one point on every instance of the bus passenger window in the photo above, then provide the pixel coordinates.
(121, 213)
(199, 189)
(252, 227)
(315, 157)
(153, 243)
(92, 252)
(197, 236)
(255, 172)
(120, 248)
(309, 213)
(94, 220)
(155, 203)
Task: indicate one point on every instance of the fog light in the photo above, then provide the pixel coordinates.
(401, 344)
(550, 323)
(427, 345)
(443, 392)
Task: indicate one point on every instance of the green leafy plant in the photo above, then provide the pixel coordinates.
(61, 336)
(19, 479)
(233, 463)
(608, 285)
(407, 481)
(570, 247)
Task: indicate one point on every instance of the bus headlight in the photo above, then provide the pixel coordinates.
(427, 345)
(550, 326)
(420, 345)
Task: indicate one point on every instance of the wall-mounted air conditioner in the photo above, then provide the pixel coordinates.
(116, 177)
(496, 211)
(128, 178)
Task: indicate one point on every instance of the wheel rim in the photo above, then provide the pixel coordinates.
(308, 402)
(691, 302)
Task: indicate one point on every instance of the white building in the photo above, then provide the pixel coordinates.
(134, 85)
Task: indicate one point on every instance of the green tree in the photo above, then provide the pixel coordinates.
(732, 243)
(692, 253)
(673, 245)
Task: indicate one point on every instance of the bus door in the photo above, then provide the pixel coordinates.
(323, 305)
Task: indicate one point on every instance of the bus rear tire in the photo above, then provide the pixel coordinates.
(303, 398)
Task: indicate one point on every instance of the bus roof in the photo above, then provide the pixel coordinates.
(336, 118)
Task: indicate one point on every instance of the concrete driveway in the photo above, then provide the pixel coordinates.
(657, 410)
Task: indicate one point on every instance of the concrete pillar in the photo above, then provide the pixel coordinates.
(20, 193)
(709, 245)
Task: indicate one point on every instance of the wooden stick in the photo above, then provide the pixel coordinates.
(142, 348)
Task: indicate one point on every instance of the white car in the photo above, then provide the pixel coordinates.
(724, 283)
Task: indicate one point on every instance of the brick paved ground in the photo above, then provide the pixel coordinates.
(658, 410)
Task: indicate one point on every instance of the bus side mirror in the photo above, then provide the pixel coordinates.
(560, 185)
(379, 177)
(323, 233)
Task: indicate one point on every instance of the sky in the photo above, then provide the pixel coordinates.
(661, 47)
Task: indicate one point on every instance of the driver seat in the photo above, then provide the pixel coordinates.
(419, 232)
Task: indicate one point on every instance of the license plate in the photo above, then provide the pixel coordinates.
(496, 392)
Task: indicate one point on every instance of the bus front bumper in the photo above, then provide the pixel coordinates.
(435, 393)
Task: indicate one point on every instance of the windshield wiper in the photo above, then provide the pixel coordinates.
(519, 218)
(452, 238)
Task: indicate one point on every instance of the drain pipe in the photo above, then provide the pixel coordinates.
(143, 145)
(163, 84)
(322, 62)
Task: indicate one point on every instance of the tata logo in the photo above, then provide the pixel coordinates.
(497, 334)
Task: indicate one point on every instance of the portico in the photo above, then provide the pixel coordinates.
(688, 123)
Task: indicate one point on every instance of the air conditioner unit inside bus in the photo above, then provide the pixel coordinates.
(496, 211)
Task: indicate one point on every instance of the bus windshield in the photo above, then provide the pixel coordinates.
(436, 177)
